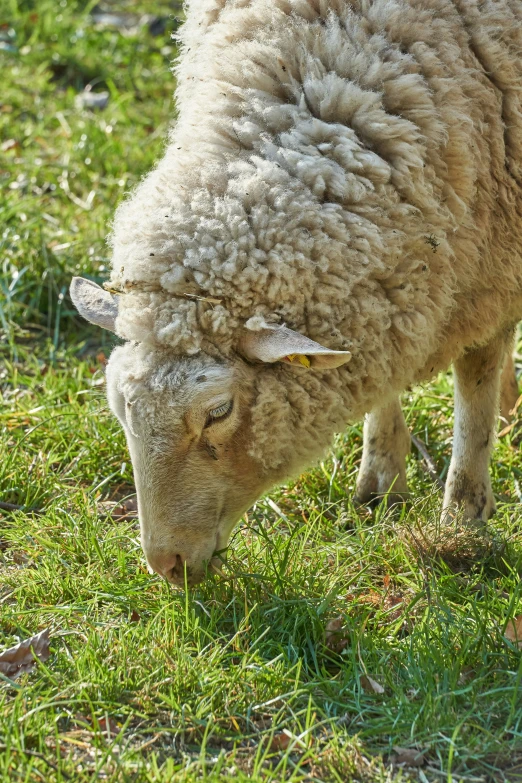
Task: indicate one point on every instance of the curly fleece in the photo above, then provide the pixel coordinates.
(350, 169)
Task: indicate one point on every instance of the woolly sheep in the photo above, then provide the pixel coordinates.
(342, 189)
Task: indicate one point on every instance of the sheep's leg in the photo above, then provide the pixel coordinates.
(477, 386)
(508, 388)
(386, 442)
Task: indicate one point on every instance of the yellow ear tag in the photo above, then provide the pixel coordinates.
(298, 358)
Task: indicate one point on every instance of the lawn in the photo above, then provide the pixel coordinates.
(343, 644)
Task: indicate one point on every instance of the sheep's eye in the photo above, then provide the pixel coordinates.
(221, 412)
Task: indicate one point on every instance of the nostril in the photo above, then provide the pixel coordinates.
(167, 564)
(177, 571)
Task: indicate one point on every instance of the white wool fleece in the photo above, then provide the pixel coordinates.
(350, 169)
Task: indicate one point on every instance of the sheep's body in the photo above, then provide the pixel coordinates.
(352, 169)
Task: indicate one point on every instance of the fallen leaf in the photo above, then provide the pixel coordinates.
(507, 429)
(109, 726)
(131, 505)
(393, 601)
(21, 658)
(135, 616)
(371, 597)
(20, 558)
(516, 406)
(333, 635)
(371, 685)
(412, 757)
(280, 741)
(84, 725)
(126, 509)
(513, 632)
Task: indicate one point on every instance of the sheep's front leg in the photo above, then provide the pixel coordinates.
(386, 442)
(477, 386)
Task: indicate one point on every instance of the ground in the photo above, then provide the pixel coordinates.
(340, 636)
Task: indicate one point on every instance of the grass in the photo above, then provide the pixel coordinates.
(264, 677)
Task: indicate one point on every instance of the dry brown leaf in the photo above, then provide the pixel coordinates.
(109, 726)
(126, 509)
(371, 685)
(335, 635)
(516, 406)
(21, 658)
(84, 726)
(412, 757)
(20, 558)
(507, 429)
(391, 602)
(280, 741)
(135, 616)
(372, 597)
(513, 632)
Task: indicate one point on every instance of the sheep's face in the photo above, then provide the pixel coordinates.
(202, 432)
(187, 423)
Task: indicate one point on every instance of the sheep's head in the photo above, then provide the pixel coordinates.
(199, 431)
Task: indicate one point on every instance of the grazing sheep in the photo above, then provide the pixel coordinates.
(337, 215)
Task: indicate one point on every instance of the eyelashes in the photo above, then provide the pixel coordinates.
(219, 413)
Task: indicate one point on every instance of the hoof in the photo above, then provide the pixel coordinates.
(469, 499)
(373, 489)
(374, 499)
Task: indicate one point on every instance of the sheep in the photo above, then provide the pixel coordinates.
(336, 217)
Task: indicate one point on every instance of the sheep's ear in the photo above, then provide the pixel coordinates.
(94, 303)
(279, 344)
